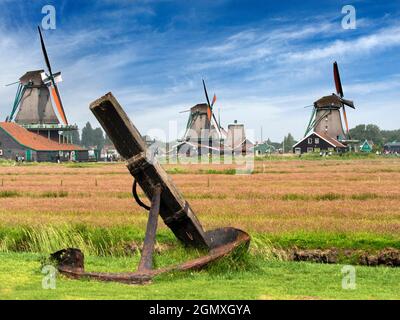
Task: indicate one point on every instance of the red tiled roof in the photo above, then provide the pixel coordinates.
(35, 141)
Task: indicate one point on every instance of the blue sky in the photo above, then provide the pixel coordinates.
(265, 60)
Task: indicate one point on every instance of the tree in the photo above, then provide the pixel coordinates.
(98, 138)
(370, 132)
(390, 135)
(288, 143)
(87, 135)
(107, 140)
(75, 137)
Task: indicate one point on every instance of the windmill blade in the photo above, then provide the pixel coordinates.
(54, 89)
(46, 78)
(57, 100)
(213, 115)
(205, 91)
(46, 57)
(11, 84)
(210, 114)
(338, 82)
(209, 109)
(57, 77)
(348, 103)
(345, 120)
(214, 100)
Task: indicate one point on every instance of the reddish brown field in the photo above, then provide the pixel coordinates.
(283, 196)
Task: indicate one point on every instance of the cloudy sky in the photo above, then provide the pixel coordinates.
(265, 60)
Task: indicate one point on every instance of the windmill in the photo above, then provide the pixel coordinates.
(202, 124)
(326, 118)
(33, 104)
(33, 100)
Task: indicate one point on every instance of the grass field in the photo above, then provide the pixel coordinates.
(285, 203)
(20, 278)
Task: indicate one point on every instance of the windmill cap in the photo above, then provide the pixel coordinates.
(31, 75)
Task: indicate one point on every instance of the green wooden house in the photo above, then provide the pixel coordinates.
(366, 146)
(264, 148)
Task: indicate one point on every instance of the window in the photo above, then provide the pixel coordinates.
(297, 150)
(309, 140)
(310, 150)
(316, 140)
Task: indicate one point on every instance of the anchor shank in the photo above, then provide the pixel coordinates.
(146, 261)
(144, 167)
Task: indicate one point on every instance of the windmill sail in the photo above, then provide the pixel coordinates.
(54, 89)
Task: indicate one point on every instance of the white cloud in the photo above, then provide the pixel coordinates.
(385, 38)
(262, 75)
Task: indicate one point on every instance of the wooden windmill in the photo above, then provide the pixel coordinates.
(202, 129)
(33, 103)
(326, 118)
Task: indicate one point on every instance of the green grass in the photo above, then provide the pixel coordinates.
(330, 196)
(45, 194)
(20, 278)
(54, 194)
(9, 194)
(214, 171)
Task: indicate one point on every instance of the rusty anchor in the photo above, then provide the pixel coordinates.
(166, 201)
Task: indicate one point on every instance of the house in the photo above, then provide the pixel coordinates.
(392, 147)
(366, 146)
(318, 142)
(263, 148)
(18, 142)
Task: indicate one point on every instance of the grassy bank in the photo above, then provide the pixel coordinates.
(127, 240)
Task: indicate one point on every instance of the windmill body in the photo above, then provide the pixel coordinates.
(328, 119)
(200, 127)
(35, 105)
